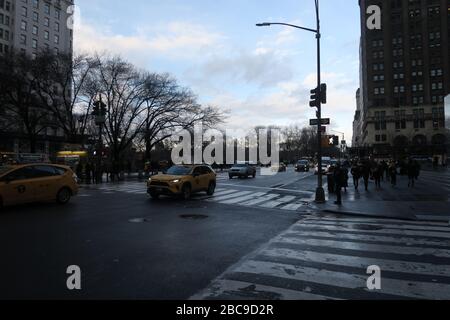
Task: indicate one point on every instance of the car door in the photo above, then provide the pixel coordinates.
(47, 182)
(206, 177)
(17, 187)
(197, 173)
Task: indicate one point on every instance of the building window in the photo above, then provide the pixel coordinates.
(400, 120)
(419, 118)
(23, 39)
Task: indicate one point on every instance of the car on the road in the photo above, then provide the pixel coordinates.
(183, 181)
(281, 167)
(30, 183)
(242, 170)
(302, 166)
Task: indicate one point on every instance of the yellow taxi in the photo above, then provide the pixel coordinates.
(35, 183)
(183, 181)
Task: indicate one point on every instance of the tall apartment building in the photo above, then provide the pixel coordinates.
(405, 77)
(33, 25)
(30, 26)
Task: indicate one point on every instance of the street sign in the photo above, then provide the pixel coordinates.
(315, 122)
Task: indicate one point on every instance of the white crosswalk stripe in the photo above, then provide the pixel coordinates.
(249, 198)
(310, 261)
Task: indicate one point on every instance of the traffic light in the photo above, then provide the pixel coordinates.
(335, 140)
(315, 94)
(99, 108)
(323, 93)
(318, 95)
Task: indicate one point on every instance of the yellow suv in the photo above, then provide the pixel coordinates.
(36, 182)
(183, 180)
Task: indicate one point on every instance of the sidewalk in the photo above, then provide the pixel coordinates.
(429, 200)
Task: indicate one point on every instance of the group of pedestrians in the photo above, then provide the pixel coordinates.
(370, 170)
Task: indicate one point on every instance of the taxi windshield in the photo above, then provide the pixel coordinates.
(179, 171)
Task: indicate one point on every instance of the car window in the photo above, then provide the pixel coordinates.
(60, 171)
(198, 170)
(206, 170)
(44, 171)
(20, 174)
(179, 171)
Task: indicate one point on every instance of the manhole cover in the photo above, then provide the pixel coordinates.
(366, 227)
(193, 216)
(138, 220)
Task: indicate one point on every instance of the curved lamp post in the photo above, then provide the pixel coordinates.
(320, 193)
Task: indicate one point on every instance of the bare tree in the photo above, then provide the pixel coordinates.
(64, 87)
(169, 108)
(18, 99)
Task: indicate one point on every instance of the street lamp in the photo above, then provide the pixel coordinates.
(320, 192)
(99, 112)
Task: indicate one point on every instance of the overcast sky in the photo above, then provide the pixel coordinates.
(262, 75)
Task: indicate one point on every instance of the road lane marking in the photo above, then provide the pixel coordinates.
(244, 198)
(229, 196)
(360, 262)
(384, 231)
(293, 206)
(260, 200)
(407, 241)
(360, 246)
(436, 224)
(276, 203)
(230, 288)
(403, 288)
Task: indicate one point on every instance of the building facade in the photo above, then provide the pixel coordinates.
(405, 77)
(30, 26)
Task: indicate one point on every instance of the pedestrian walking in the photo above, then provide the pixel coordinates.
(417, 169)
(356, 173)
(411, 174)
(339, 182)
(366, 174)
(376, 174)
(346, 177)
(88, 170)
(393, 173)
(79, 171)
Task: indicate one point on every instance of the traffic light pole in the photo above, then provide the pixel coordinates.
(320, 192)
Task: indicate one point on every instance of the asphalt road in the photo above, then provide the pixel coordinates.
(130, 247)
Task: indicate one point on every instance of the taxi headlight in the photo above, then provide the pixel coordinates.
(176, 181)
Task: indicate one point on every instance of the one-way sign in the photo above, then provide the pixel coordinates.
(315, 122)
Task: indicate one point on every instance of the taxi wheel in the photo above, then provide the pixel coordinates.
(186, 192)
(254, 175)
(63, 196)
(211, 189)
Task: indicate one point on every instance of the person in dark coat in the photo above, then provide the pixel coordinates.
(411, 167)
(376, 174)
(88, 169)
(365, 170)
(393, 173)
(356, 173)
(339, 182)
